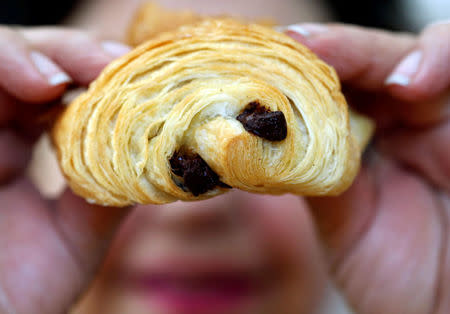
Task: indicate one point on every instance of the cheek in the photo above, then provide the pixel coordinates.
(286, 234)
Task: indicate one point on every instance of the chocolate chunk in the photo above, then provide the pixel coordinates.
(260, 121)
(198, 177)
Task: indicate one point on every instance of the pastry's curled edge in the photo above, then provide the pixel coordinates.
(165, 122)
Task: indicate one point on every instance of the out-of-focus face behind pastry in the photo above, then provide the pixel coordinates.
(234, 254)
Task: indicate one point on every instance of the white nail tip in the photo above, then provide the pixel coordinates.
(398, 79)
(59, 78)
(51, 71)
(298, 29)
(405, 70)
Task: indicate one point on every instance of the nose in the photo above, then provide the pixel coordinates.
(212, 216)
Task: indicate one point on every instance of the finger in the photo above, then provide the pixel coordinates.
(390, 113)
(342, 220)
(80, 54)
(415, 71)
(362, 57)
(37, 249)
(28, 74)
(14, 156)
(8, 108)
(386, 228)
(31, 122)
(426, 151)
(424, 74)
(87, 228)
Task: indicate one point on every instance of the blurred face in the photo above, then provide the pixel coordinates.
(236, 254)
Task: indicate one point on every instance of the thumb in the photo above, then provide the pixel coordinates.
(424, 74)
(87, 228)
(82, 55)
(379, 235)
(362, 57)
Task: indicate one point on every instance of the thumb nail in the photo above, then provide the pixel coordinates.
(405, 70)
(52, 72)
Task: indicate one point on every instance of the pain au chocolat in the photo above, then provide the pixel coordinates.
(197, 111)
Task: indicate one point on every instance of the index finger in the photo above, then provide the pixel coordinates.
(362, 57)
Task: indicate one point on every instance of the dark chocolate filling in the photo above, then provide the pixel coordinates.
(198, 177)
(260, 121)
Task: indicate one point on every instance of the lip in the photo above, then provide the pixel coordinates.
(202, 286)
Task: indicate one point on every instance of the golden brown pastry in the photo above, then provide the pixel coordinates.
(151, 19)
(197, 111)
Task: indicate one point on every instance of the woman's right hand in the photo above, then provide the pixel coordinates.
(388, 236)
(48, 249)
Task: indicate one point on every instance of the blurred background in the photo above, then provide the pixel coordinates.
(406, 15)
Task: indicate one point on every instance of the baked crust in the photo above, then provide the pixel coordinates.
(183, 91)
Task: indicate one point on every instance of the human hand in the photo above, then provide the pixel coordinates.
(48, 249)
(388, 238)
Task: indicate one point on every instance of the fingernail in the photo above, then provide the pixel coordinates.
(306, 30)
(55, 76)
(115, 49)
(407, 68)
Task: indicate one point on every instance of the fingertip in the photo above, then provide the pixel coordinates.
(425, 86)
(424, 74)
(413, 93)
(409, 80)
(37, 79)
(37, 92)
(47, 68)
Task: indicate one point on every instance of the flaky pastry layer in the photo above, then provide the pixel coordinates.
(161, 120)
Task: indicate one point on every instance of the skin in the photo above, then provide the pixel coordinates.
(384, 243)
(238, 229)
(389, 234)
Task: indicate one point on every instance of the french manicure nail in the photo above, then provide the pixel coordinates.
(54, 75)
(306, 30)
(405, 70)
(115, 49)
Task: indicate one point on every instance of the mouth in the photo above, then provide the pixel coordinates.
(201, 292)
